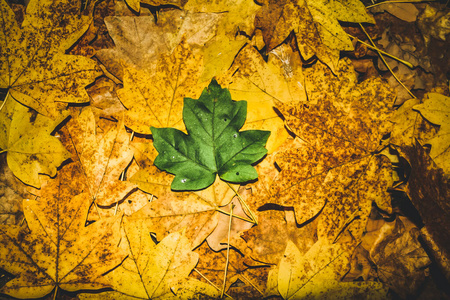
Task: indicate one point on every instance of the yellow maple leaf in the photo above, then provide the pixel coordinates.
(151, 38)
(315, 24)
(318, 273)
(58, 251)
(156, 271)
(26, 137)
(103, 156)
(337, 138)
(156, 99)
(436, 109)
(33, 65)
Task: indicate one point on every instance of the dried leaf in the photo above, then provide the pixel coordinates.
(31, 149)
(156, 99)
(399, 257)
(315, 24)
(59, 250)
(340, 132)
(103, 157)
(436, 109)
(404, 11)
(317, 274)
(150, 39)
(154, 271)
(33, 65)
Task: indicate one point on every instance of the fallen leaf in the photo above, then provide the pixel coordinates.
(317, 274)
(26, 137)
(433, 23)
(428, 189)
(399, 257)
(238, 15)
(58, 250)
(214, 144)
(35, 69)
(436, 109)
(339, 132)
(225, 228)
(315, 24)
(153, 271)
(12, 193)
(151, 39)
(148, 98)
(404, 11)
(266, 242)
(103, 156)
(280, 79)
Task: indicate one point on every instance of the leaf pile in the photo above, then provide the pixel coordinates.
(226, 149)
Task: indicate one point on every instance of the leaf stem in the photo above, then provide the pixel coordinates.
(228, 252)
(4, 101)
(254, 221)
(384, 61)
(235, 216)
(56, 292)
(211, 283)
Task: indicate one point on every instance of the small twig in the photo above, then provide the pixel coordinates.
(383, 52)
(387, 65)
(117, 206)
(244, 204)
(254, 286)
(397, 1)
(228, 252)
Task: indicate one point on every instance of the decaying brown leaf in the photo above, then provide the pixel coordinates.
(399, 258)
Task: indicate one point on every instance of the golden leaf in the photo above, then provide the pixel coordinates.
(315, 24)
(339, 132)
(58, 250)
(103, 156)
(317, 274)
(436, 109)
(33, 65)
(156, 99)
(156, 271)
(26, 136)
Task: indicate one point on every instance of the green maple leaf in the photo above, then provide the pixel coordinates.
(213, 145)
